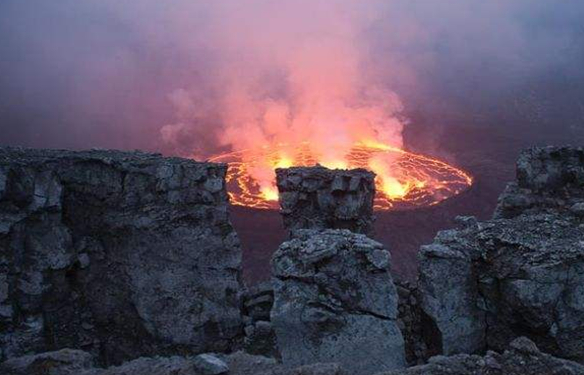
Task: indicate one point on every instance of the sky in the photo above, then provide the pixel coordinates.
(192, 77)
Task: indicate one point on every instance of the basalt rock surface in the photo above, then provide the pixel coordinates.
(335, 301)
(410, 322)
(520, 274)
(260, 338)
(62, 362)
(322, 198)
(521, 358)
(76, 362)
(121, 254)
(547, 178)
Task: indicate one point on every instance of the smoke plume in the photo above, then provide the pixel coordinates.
(194, 77)
(290, 72)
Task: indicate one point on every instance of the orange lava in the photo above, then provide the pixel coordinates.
(404, 180)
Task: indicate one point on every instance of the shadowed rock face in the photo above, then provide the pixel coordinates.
(321, 198)
(335, 301)
(119, 253)
(520, 274)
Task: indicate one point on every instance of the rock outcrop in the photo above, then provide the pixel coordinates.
(520, 274)
(121, 254)
(521, 358)
(547, 178)
(335, 301)
(322, 198)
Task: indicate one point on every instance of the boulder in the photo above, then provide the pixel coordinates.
(335, 302)
(521, 358)
(208, 364)
(322, 198)
(507, 278)
(122, 254)
(62, 362)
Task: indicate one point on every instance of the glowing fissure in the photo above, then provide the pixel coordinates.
(404, 179)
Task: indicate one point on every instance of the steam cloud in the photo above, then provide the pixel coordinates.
(196, 77)
(289, 72)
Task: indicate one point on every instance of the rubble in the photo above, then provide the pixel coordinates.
(522, 357)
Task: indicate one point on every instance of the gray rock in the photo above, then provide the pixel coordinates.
(241, 363)
(335, 301)
(259, 338)
(578, 209)
(208, 364)
(320, 369)
(520, 274)
(245, 364)
(547, 177)
(521, 358)
(507, 278)
(258, 301)
(62, 362)
(449, 298)
(321, 198)
(411, 323)
(123, 254)
(148, 366)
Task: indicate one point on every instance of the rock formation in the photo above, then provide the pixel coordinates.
(410, 322)
(129, 254)
(547, 178)
(521, 358)
(321, 198)
(335, 301)
(259, 333)
(520, 274)
(121, 254)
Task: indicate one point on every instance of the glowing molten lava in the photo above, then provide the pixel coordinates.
(405, 180)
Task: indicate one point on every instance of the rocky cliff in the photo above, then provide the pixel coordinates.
(130, 254)
(121, 254)
(520, 274)
(322, 198)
